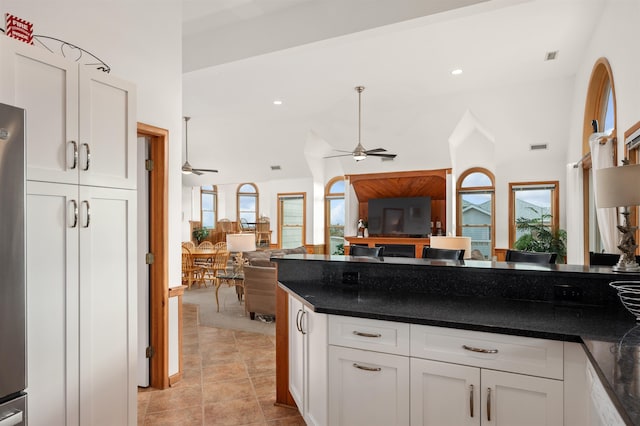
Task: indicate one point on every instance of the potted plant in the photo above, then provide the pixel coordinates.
(540, 236)
(200, 234)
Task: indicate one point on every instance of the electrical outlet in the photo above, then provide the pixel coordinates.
(350, 277)
(567, 293)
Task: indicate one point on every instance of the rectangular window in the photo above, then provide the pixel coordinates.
(291, 218)
(208, 207)
(533, 203)
(336, 215)
(477, 219)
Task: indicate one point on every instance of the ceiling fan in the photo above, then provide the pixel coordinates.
(187, 169)
(359, 153)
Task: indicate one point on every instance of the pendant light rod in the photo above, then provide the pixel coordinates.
(359, 89)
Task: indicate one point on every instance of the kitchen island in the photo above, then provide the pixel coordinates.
(564, 303)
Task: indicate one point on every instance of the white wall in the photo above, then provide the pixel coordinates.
(141, 41)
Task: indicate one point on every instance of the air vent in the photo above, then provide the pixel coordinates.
(276, 168)
(551, 56)
(538, 146)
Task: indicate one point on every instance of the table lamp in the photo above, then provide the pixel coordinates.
(452, 243)
(239, 243)
(620, 187)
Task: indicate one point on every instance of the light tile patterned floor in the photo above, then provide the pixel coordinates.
(229, 379)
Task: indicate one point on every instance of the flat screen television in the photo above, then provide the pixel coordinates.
(400, 217)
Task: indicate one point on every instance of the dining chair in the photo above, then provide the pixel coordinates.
(206, 245)
(263, 231)
(224, 225)
(217, 267)
(356, 250)
(189, 245)
(442, 253)
(190, 271)
(605, 259)
(530, 257)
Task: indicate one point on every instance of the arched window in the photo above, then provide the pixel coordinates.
(600, 106)
(247, 202)
(476, 209)
(209, 206)
(334, 215)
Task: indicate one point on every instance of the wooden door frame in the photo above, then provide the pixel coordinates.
(158, 245)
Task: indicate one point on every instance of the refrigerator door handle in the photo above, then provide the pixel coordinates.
(12, 418)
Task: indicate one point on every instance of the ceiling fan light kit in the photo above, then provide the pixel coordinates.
(187, 169)
(360, 153)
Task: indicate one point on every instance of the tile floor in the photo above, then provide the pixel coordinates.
(229, 379)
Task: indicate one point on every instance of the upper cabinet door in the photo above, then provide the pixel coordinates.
(46, 86)
(108, 140)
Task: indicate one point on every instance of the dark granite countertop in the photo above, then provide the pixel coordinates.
(607, 331)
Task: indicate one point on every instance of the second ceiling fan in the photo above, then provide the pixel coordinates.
(187, 169)
(359, 153)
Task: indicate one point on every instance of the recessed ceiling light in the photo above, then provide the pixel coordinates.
(457, 71)
(277, 102)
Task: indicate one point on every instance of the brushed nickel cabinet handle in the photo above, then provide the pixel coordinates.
(480, 350)
(471, 400)
(86, 203)
(298, 326)
(75, 155)
(75, 213)
(488, 404)
(363, 334)
(364, 367)
(86, 147)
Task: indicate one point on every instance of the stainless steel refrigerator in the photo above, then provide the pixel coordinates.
(13, 341)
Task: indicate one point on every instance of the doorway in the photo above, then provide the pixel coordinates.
(153, 217)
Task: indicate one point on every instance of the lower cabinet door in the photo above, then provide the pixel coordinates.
(367, 388)
(444, 394)
(515, 399)
(296, 354)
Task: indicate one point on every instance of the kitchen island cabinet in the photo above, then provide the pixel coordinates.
(498, 298)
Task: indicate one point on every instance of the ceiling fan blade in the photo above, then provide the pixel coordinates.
(196, 172)
(205, 170)
(339, 155)
(369, 151)
(382, 155)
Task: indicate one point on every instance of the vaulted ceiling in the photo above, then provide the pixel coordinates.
(241, 55)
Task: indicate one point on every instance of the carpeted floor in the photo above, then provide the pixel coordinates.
(231, 315)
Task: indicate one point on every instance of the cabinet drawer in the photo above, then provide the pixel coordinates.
(526, 355)
(374, 335)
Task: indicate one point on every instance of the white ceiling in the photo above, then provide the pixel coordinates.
(236, 128)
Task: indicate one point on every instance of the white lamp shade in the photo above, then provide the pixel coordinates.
(618, 186)
(453, 243)
(241, 242)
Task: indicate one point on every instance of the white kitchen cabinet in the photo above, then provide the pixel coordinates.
(450, 394)
(600, 408)
(80, 121)
(517, 399)
(81, 301)
(503, 390)
(367, 388)
(81, 237)
(308, 362)
(444, 394)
